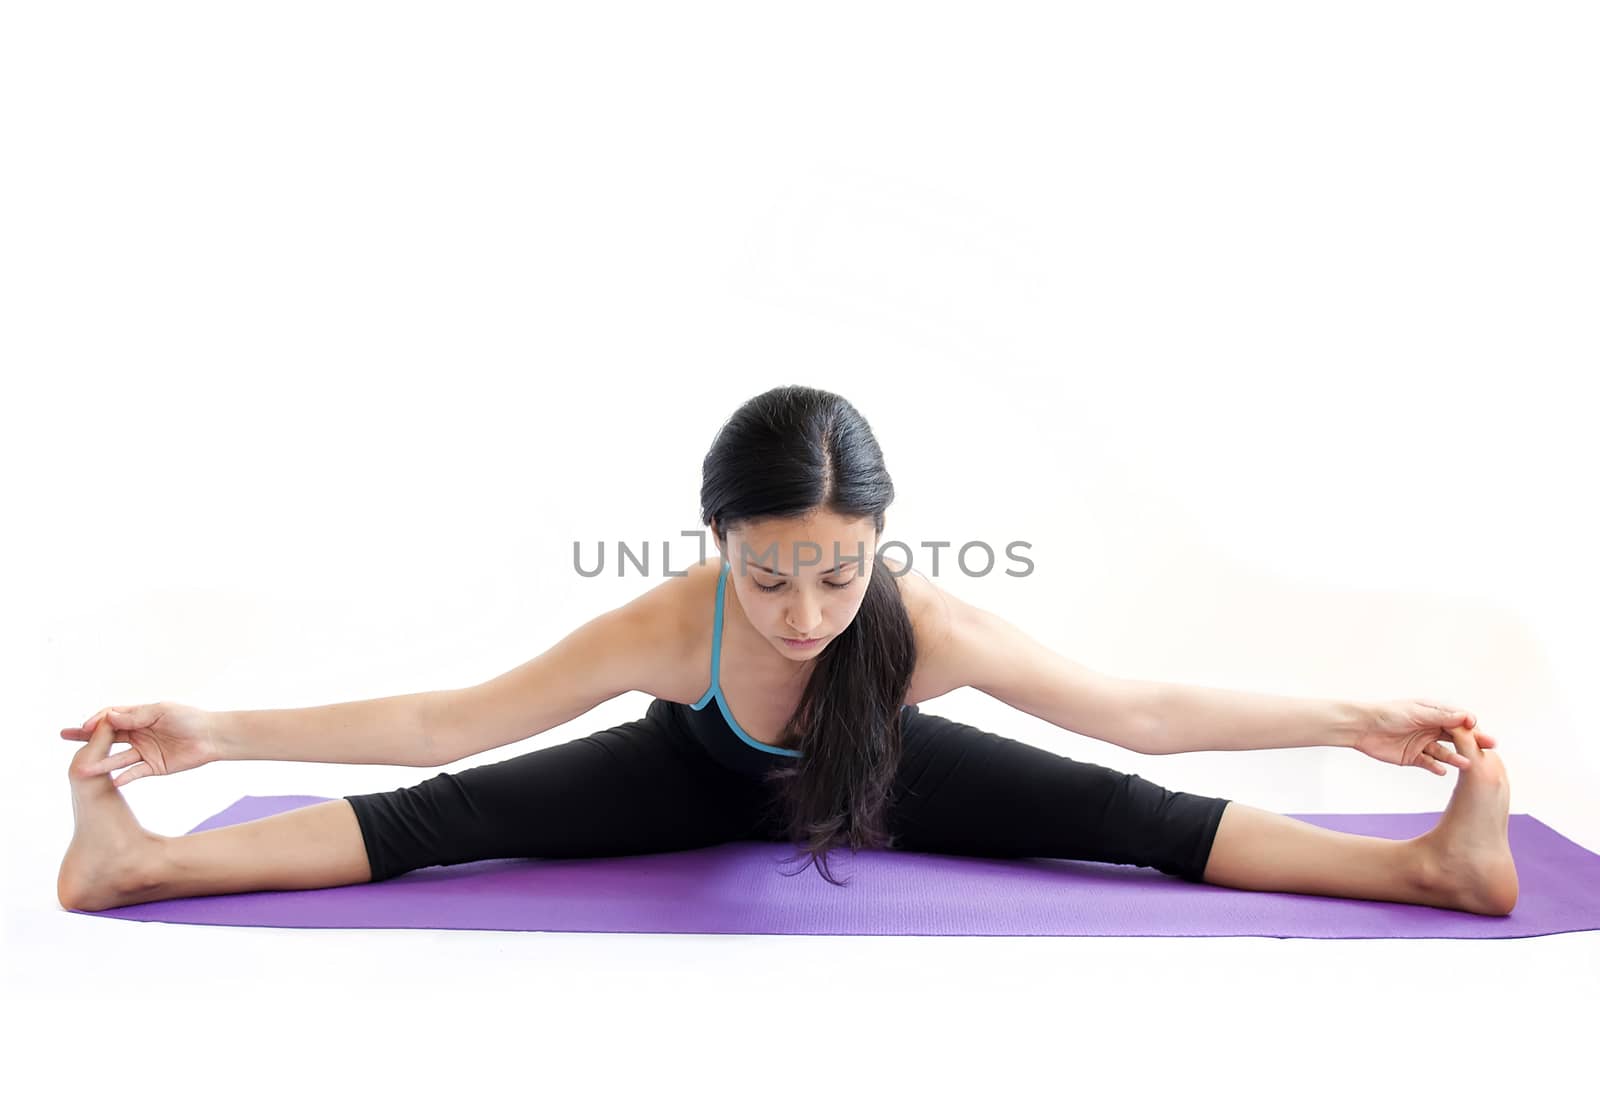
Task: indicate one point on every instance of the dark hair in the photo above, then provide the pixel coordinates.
(786, 454)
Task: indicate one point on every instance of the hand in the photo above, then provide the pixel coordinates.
(1413, 733)
(163, 738)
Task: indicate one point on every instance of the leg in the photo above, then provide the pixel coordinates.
(634, 788)
(112, 861)
(1464, 862)
(638, 788)
(966, 791)
(962, 790)
(314, 847)
(1261, 850)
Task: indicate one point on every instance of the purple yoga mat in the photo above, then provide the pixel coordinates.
(745, 888)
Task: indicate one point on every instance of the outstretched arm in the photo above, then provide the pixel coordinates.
(977, 648)
(389, 730)
(969, 646)
(618, 651)
(1194, 717)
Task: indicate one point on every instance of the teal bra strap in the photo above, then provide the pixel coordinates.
(716, 679)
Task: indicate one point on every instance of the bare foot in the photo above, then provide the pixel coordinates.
(111, 859)
(1468, 856)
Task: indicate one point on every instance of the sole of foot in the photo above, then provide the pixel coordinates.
(1467, 854)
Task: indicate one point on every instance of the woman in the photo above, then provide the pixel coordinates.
(786, 676)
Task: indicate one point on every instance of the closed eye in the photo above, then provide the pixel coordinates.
(780, 584)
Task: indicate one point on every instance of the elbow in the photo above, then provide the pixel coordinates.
(1149, 736)
(438, 729)
(1127, 713)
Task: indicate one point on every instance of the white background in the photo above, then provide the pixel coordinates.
(328, 328)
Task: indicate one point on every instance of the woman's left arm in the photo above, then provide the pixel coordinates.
(979, 649)
(1400, 732)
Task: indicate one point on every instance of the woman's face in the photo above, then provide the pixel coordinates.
(801, 579)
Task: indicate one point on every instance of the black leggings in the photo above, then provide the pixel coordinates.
(648, 785)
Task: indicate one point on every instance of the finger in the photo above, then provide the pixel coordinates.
(1465, 742)
(96, 752)
(1444, 754)
(116, 761)
(1429, 763)
(138, 771)
(101, 738)
(94, 721)
(116, 739)
(1448, 716)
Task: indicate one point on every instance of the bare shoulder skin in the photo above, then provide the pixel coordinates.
(660, 643)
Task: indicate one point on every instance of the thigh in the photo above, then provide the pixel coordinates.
(963, 790)
(639, 787)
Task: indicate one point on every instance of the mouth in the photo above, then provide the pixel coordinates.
(802, 644)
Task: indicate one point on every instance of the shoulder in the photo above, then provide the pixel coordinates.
(672, 623)
(923, 599)
(677, 603)
(942, 624)
(960, 645)
(638, 646)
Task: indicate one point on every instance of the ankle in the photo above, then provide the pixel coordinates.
(1428, 871)
(147, 869)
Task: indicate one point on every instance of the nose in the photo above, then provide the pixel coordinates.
(805, 617)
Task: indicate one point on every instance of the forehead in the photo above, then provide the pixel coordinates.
(819, 541)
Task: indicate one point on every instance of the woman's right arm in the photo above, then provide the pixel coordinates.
(619, 651)
(627, 649)
(391, 731)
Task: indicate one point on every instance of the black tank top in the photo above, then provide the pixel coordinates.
(717, 730)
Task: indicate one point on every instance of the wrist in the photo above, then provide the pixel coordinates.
(219, 734)
(1352, 719)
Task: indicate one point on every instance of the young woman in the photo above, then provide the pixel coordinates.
(785, 677)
